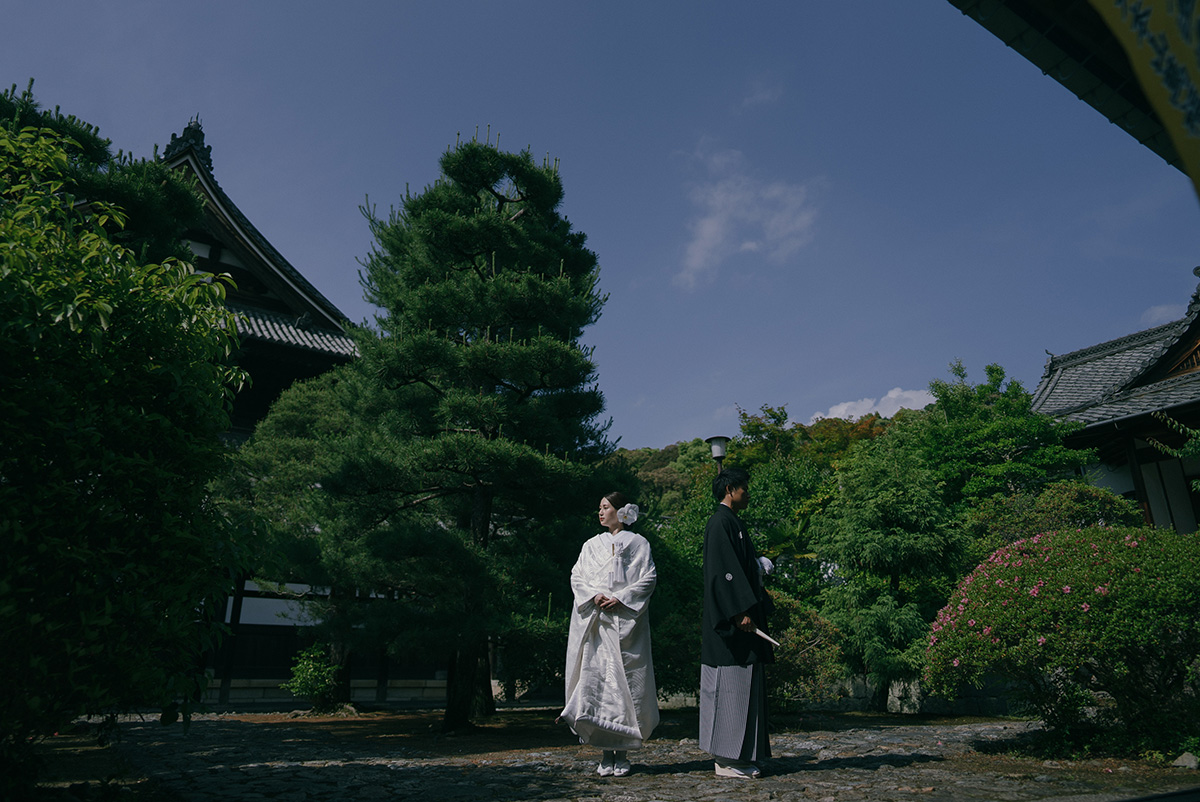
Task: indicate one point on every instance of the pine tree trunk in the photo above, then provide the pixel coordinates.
(460, 688)
(340, 657)
(484, 703)
(481, 515)
(468, 687)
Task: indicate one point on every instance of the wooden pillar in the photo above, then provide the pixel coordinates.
(1139, 483)
(228, 663)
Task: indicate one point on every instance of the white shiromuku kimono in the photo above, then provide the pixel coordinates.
(612, 701)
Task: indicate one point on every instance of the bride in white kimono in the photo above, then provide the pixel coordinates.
(612, 702)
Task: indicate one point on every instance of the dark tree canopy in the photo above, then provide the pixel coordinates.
(113, 394)
(157, 203)
(485, 290)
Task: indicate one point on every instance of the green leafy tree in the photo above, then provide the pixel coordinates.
(985, 440)
(890, 544)
(1096, 618)
(664, 475)
(443, 493)
(114, 393)
(828, 439)
(912, 508)
(766, 436)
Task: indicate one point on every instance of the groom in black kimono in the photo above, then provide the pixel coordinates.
(733, 694)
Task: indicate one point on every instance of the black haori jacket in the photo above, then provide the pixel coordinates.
(732, 586)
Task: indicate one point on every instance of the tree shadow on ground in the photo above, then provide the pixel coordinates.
(415, 734)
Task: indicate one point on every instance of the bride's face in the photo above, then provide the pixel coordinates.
(608, 515)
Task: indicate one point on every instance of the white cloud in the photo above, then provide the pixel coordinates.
(1164, 313)
(738, 212)
(762, 93)
(895, 400)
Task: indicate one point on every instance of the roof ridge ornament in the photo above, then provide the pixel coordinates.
(193, 138)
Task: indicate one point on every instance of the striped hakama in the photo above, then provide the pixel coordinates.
(733, 712)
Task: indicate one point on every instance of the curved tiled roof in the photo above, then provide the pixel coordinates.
(1140, 400)
(272, 327)
(1101, 383)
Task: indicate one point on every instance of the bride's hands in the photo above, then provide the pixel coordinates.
(605, 602)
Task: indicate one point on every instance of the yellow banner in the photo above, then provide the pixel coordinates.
(1162, 40)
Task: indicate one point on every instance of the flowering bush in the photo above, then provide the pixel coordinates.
(1092, 623)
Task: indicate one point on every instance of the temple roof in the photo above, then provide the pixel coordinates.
(278, 304)
(1150, 370)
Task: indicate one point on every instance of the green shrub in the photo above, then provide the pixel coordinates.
(314, 677)
(1096, 626)
(532, 655)
(808, 661)
(1068, 504)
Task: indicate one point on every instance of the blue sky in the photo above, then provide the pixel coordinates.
(817, 205)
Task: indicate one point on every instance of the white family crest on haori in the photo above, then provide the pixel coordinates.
(612, 700)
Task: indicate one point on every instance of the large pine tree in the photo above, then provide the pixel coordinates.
(490, 399)
(437, 484)
(485, 291)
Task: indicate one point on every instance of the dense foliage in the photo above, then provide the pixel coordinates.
(985, 440)
(665, 474)
(900, 524)
(1065, 504)
(1097, 626)
(891, 547)
(114, 394)
(157, 204)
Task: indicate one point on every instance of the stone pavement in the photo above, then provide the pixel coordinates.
(225, 757)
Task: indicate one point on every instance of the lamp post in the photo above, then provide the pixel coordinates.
(717, 444)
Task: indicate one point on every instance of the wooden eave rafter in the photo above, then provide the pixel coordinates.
(1189, 362)
(1068, 41)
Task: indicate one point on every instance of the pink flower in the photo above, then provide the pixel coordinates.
(987, 630)
(1086, 606)
(956, 662)
(1041, 641)
(971, 623)
(1066, 588)
(1033, 591)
